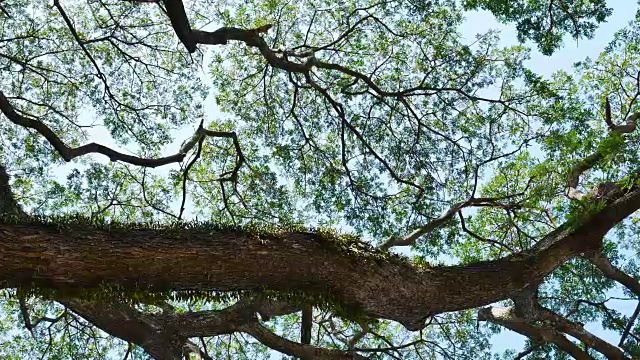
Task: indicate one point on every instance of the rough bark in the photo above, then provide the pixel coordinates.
(78, 256)
(82, 256)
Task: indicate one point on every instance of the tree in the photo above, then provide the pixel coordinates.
(513, 195)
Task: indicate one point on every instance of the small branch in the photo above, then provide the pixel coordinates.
(392, 347)
(306, 324)
(627, 329)
(24, 311)
(81, 43)
(191, 347)
(69, 154)
(185, 174)
(4, 11)
(564, 8)
(607, 114)
(480, 238)
(8, 203)
(591, 160)
(240, 159)
(291, 348)
(442, 220)
(364, 330)
(527, 351)
(428, 227)
(144, 194)
(611, 317)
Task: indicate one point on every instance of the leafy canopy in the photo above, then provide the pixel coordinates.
(376, 118)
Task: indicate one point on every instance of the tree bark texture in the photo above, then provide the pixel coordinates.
(81, 256)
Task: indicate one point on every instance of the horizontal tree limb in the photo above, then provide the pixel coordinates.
(83, 256)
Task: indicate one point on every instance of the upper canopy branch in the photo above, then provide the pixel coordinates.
(590, 161)
(444, 219)
(69, 153)
(278, 58)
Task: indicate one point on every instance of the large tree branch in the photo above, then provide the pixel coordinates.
(611, 271)
(225, 321)
(82, 256)
(131, 325)
(180, 23)
(528, 311)
(577, 331)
